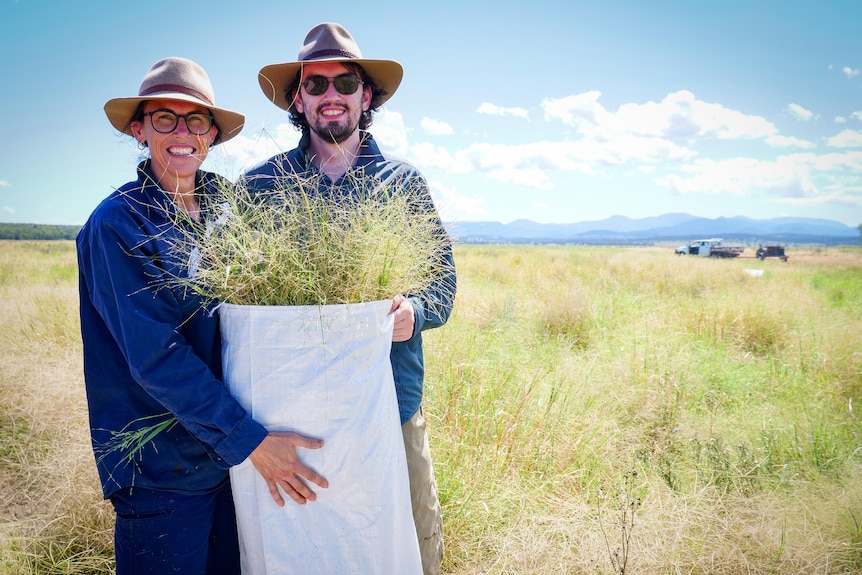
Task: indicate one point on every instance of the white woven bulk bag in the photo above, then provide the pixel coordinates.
(323, 372)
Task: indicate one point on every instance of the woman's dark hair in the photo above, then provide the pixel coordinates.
(365, 120)
(138, 116)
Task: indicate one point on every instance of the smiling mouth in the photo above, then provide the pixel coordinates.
(181, 150)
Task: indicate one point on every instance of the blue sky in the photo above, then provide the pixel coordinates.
(547, 110)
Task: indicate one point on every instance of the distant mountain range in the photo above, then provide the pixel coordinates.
(618, 230)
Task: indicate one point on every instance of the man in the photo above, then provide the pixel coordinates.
(331, 92)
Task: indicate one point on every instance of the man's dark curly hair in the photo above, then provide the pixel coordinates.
(365, 120)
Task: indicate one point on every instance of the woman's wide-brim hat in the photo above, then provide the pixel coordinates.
(327, 42)
(175, 79)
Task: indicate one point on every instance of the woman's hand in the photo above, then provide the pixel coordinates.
(278, 462)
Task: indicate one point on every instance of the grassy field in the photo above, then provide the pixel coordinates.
(592, 410)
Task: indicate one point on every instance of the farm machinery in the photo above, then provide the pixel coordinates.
(771, 251)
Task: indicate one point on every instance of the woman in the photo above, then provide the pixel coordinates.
(152, 352)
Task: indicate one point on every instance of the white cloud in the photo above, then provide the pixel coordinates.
(680, 116)
(9, 211)
(850, 72)
(5, 184)
(580, 110)
(857, 116)
(846, 139)
(656, 140)
(526, 177)
(536, 155)
(525, 164)
(428, 156)
(436, 127)
(840, 195)
(790, 176)
(389, 132)
(840, 120)
(245, 151)
(494, 110)
(529, 164)
(453, 206)
(847, 162)
(799, 112)
(608, 141)
(742, 177)
(650, 150)
(789, 142)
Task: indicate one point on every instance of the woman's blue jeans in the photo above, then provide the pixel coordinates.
(162, 532)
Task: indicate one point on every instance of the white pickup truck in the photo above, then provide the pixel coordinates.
(711, 248)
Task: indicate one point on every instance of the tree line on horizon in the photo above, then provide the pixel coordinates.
(37, 232)
(11, 231)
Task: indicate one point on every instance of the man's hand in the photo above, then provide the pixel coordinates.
(279, 464)
(404, 320)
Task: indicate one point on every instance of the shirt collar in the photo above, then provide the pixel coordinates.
(367, 154)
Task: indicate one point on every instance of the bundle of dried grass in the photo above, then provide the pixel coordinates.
(302, 243)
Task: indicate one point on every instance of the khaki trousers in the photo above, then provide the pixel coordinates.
(427, 514)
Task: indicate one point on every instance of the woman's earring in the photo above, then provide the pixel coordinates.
(142, 144)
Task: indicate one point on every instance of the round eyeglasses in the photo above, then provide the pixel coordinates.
(344, 84)
(165, 121)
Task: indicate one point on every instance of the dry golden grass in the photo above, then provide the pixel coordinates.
(302, 243)
(51, 508)
(734, 398)
(833, 257)
(726, 392)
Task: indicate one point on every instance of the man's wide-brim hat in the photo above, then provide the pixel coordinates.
(175, 79)
(327, 42)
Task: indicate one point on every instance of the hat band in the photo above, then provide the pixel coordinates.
(176, 88)
(331, 52)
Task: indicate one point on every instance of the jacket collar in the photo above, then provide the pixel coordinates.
(368, 153)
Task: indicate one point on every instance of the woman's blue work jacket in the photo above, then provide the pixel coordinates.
(152, 349)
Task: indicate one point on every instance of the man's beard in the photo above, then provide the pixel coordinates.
(335, 132)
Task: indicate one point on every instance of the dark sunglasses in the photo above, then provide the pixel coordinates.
(345, 84)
